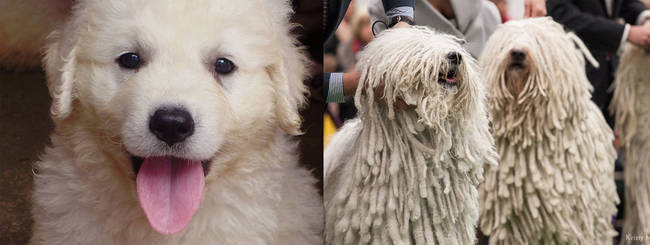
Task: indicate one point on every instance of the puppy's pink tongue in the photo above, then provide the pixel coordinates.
(170, 191)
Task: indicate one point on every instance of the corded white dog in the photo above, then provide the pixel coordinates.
(410, 176)
(555, 179)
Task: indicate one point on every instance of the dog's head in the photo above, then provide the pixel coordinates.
(177, 87)
(533, 59)
(429, 71)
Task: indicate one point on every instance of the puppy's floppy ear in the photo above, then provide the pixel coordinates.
(60, 63)
(289, 91)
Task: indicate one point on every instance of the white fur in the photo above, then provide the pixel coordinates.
(555, 180)
(632, 108)
(255, 192)
(409, 176)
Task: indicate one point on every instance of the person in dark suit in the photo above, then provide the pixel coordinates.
(596, 23)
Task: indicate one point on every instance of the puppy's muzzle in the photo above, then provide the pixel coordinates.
(171, 125)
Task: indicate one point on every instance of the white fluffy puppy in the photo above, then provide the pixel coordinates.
(173, 123)
(410, 176)
(555, 179)
(632, 108)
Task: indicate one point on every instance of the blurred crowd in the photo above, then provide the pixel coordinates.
(340, 55)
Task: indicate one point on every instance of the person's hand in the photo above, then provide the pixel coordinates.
(351, 81)
(534, 8)
(401, 24)
(639, 35)
(399, 103)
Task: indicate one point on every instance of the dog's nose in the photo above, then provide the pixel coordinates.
(171, 125)
(454, 58)
(518, 55)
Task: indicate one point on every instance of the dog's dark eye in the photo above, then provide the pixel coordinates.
(224, 66)
(129, 60)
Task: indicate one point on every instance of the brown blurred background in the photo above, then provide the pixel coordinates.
(25, 125)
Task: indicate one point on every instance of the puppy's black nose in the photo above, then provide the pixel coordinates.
(171, 125)
(517, 55)
(454, 58)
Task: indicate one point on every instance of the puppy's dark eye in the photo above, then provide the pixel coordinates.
(224, 66)
(129, 60)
